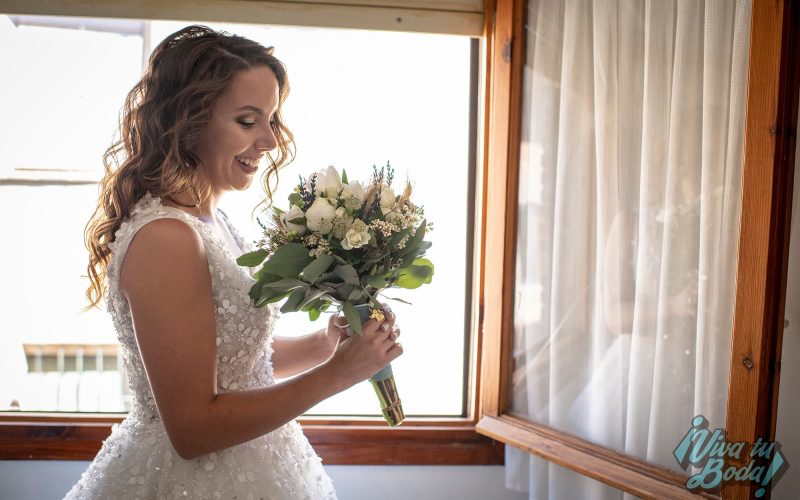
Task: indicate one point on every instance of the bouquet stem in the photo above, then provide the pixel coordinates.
(383, 383)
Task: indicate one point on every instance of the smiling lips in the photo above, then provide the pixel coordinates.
(249, 165)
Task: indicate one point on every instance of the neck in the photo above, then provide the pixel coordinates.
(204, 211)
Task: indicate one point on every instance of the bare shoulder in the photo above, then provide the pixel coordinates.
(163, 251)
(167, 283)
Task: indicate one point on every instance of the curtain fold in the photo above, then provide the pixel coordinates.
(629, 194)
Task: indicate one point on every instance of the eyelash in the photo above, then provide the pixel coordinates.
(272, 123)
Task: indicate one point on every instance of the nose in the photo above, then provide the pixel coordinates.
(267, 140)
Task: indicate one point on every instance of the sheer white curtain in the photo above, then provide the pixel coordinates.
(632, 142)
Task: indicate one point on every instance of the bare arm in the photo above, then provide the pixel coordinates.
(166, 281)
(293, 355)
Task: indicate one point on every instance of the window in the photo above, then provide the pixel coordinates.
(521, 171)
(353, 104)
(358, 98)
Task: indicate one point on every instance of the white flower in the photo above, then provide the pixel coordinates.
(321, 209)
(394, 216)
(355, 239)
(353, 190)
(293, 213)
(327, 183)
(387, 200)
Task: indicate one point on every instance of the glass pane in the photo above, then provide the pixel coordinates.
(358, 98)
(61, 97)
(629, 193)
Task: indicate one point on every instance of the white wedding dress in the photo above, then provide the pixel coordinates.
(137, 461)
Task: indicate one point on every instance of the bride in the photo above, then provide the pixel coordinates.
(208, 419)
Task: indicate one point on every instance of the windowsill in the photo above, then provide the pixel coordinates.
(341, 441)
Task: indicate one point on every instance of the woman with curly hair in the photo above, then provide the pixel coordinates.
(208, 419)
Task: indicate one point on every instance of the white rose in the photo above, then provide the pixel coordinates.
(387, 200)
(293, 213)
(394, 216)
(327, 182)
(353, 190)
(319, 210)
(355, 239)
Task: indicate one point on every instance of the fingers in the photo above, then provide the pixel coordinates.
(339, 321)
(395, 351)
(371, 326)
(393, 334)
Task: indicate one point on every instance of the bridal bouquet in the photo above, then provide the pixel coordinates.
(342, 243)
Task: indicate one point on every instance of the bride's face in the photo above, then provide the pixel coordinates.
(239, 129)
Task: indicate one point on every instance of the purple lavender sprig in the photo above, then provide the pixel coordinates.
(308, 197)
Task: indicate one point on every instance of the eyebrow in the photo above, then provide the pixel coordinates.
(252, 108)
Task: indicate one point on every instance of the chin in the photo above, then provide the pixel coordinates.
(241, 186)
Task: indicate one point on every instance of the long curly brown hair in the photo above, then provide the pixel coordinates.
(160, 123)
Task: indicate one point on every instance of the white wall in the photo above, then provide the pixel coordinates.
(44, 480)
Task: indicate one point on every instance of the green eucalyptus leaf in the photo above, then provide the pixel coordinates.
(263, 279)
(339, 259)
(425, 263)
(415, 241)
(352, 317)
(252, 259)
(270, 298)
(313, 314)
(375, 281)
(285, 284)
(348, 274)
(263, 276)
(331, 278)
(344, 290)
(326, 287)
(310, 305)
(414, 276)
(293, 302)
(356, 294)
(318, 266)
(288, 260)
(311, 297)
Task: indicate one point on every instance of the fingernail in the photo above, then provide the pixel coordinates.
(349, 331)
(384, 326)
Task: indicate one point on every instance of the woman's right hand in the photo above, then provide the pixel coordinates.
(359, 357)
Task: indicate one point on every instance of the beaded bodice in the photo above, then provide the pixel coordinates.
(243, 332)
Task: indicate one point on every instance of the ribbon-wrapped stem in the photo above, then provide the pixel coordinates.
(383, 382)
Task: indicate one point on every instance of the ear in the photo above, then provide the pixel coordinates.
(270, 50)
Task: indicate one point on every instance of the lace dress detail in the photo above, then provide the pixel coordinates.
(137, 460)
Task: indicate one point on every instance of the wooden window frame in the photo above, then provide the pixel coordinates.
(772, 103)
(339, 441)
